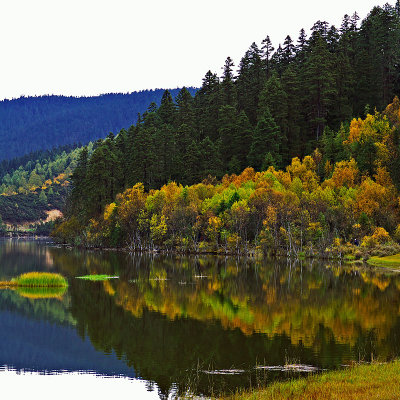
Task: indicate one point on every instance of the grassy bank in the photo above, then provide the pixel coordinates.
(388, 261)
(374, 381)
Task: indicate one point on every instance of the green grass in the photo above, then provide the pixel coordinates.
(373, 382)
(41, 279)
(388, 261)
(96, 277)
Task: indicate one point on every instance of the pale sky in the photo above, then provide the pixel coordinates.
(88, 47)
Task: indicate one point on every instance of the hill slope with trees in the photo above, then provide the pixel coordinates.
(319, 97)
(28, 124)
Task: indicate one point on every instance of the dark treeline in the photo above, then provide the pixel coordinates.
(28, 124)
(277, 106)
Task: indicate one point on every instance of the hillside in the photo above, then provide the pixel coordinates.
(31, 188)
(312, 121)
(28, 124)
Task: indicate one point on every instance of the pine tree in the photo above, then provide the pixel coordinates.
(165, 154)
(244, 134)
(250, 82)
(266, 139)
(319, 84)
(210, 159)
(121, 154)
(207, 104)
(274, 98)
(183, 138)
(144, 156)
(267, 50)
(78, 199)
(288, 50)
(227, 127)
(99, 181)
(167, 109)
(192, 160)
(185, 107)
(292, 87)
(228, 89)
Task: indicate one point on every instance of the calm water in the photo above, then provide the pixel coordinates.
(207, 324)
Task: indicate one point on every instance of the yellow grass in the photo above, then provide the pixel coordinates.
(370, 382)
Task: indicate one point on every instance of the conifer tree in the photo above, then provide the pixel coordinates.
(319, 84)
(78, 197)
(227, 126)
(244, 134)
(267, 50)
(184, 136)
(250, 82)
(207, 104)
(266, 139)
(210, 159)
(192, 161)
(288, 50)
(165, 154)
(292, 88)
(228, 89)
(167, 109)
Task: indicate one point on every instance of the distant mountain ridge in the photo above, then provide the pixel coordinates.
(28, 124)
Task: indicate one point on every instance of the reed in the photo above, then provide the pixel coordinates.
(40, 279)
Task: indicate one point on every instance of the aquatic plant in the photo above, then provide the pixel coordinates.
(41, 279)
(95, 277)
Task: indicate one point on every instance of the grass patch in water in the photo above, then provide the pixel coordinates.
(373, 382)
(388, 261)
(41, 292)
(97, 277)
(41, 279)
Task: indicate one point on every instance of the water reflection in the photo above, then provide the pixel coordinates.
(37, 386)
(175, 321)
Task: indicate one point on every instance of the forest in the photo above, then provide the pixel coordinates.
(44, 122)
(312, 106)
(312, 207)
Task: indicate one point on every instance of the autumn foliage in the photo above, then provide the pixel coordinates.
(305, 208)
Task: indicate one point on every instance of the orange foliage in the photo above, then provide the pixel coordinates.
(344, 174)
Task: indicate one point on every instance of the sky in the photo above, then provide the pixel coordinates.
(89, 47)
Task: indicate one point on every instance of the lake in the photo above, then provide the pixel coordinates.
(171, 325)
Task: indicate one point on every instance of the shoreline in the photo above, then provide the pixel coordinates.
(375, 381)
(368, 260)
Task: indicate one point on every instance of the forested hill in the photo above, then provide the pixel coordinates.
(28, 124)
(279, 104)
